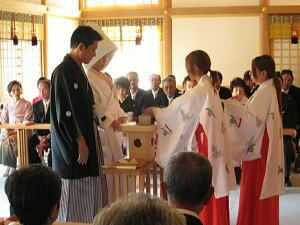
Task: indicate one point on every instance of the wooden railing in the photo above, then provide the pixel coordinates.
(22, 138)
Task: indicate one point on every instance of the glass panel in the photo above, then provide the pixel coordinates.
(145, 58)
(20, 62)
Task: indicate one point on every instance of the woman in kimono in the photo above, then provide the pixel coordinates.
(107, 107)
(16, 110)
(262, 167)
(200, 112)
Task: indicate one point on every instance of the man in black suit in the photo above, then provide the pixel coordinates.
(169, 87)
(156, 96)
(40, 140)
(290, 89)
(188, 184)
(137, 95)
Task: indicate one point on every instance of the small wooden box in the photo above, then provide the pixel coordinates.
(140, 141)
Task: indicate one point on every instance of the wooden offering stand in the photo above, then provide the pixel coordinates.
(138, 172)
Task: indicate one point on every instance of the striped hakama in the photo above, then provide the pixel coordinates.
(82, 199)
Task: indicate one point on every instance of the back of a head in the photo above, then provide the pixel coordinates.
(247, 75)
(122, 82)
(85, 35)
(188, 179)
(200, 59)
(139, 209)
(33, 193)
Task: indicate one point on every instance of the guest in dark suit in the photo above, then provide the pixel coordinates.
(217, 79)
(137, 95)
(122, 85)
(156, 96)
(40, 141)
(290, 89)
(188, 184)
(169, 87)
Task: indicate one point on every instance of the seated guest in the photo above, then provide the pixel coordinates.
(169, 87)
(34, 194)
(122, 85)
(188, 184)
(40, 140)
(239, 90)
(217, 79)
(289, 121)
(16, 110)
(178, 92)
(156, 96)
(251, 86)
(139, 209)
(137, 95)
(188, 84)
(38, 98)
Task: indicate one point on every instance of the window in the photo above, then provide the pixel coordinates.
(22, 62)
(92, 3)
(144, 58)
(286, 55)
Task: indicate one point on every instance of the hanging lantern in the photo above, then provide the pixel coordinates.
(33, 37)
(294, 38)
(14, 36)
(139, 36)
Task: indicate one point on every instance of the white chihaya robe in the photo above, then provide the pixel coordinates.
(264, 105)
(177, 125)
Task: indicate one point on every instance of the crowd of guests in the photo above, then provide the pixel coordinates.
(19, 110)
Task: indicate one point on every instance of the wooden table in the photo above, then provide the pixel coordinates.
(143, 178)
(22, 138)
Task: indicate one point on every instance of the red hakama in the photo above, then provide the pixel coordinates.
(252, 210)
(216, 211)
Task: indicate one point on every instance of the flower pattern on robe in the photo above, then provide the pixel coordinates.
(210, 113)
(251, 145)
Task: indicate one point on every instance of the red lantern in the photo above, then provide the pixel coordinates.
(294, 38)
(33, 37)
(14, 36)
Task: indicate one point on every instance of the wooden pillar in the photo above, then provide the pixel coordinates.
(22, 146)
(264, 28)
(167, 39)
(45, 47)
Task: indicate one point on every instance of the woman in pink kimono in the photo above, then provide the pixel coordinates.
(16, 110)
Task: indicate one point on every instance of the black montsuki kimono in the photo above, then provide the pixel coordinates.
(71, 116)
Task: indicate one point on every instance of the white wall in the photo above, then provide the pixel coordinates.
(202, 3)
(59, 34)
(231, 42)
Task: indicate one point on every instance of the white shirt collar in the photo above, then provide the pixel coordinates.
(154, 93)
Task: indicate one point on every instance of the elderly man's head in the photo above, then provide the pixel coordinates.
(134, 80)
(169, 86)
(155, 81)
(188, 181)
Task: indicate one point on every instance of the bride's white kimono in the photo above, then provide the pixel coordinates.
(107, 108)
